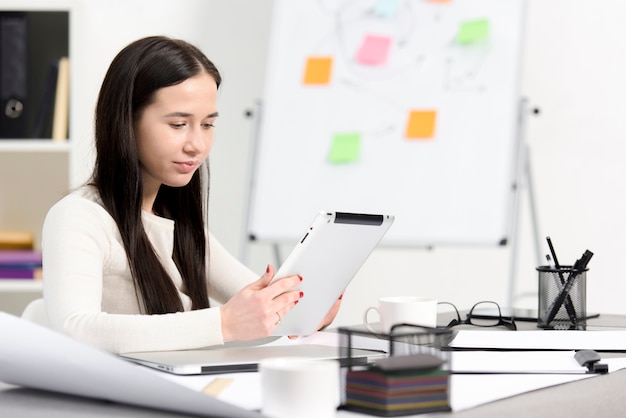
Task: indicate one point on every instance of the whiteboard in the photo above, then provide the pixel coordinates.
(403, 107)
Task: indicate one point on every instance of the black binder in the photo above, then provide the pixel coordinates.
(13, 74)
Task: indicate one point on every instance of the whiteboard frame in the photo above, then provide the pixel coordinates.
(509, 197)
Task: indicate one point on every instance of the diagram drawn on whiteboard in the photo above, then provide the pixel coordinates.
(399, 106)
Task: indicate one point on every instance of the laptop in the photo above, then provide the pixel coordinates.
(233, 359)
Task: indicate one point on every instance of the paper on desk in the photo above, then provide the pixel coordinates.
(37, 357)
(541, 340)
(464, 394)
(516, 362)
(524, 362)
(244, 391)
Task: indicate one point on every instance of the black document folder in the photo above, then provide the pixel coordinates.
(13, 74)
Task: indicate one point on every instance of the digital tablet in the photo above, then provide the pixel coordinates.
(329, 254)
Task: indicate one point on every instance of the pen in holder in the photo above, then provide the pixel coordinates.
(562, 298)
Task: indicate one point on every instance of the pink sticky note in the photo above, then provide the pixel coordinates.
(374, 50)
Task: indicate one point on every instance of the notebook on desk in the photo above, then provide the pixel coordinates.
(239, 359)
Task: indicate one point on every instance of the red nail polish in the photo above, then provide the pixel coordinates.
(300, 277)
(296, 302)
(341, 296)
(301, 294)
(267, 269)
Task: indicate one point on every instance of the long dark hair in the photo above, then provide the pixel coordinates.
(132, 79)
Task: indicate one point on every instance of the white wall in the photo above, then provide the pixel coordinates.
(574, 62)
(574, 70)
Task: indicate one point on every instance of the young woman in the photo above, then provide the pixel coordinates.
(129, 264)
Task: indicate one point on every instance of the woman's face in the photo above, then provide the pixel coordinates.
(175, 132)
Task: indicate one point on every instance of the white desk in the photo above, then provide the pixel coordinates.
(600, 396)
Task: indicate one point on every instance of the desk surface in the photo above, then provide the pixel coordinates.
(601, 396)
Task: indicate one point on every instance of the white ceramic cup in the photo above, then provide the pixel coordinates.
(403, 310)
(299, 387)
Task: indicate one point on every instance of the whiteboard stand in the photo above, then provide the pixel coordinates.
(524, 173)
(255, 113)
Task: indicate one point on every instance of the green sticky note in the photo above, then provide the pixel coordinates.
(345, 148)
(472, 31)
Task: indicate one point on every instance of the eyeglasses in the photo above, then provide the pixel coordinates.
(482, 314)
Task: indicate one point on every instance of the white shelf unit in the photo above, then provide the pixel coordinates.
(35, 173)
(21, 285)
(32, 145)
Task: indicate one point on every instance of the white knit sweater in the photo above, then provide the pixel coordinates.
(89, 292)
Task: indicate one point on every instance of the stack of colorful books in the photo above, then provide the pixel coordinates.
(18, 260)
(20, 264)
(397, 392)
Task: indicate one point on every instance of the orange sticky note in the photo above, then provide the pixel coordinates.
(318, 70)
(421, 124)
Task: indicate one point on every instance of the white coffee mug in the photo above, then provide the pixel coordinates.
(299, 387)
(403, 310)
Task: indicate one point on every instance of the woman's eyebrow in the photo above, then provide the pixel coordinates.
(185, 114)
(177, 115)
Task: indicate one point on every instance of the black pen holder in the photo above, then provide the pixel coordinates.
(562, 298)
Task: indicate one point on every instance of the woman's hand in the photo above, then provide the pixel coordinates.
(329, 318)
(256, 310)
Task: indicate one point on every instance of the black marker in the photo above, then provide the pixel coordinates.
(579, 267)
(569, 305)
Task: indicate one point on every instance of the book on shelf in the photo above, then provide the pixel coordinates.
(42, 126)
(20, 264)
(17, 240)
(60, 118)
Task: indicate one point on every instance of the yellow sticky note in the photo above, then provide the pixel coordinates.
(472, 31)
(318, 70)
(215, 387)
(421, 124)
(345, 148)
